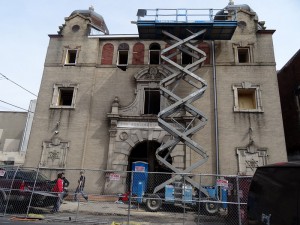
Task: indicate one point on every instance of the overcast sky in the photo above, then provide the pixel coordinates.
(25, 25)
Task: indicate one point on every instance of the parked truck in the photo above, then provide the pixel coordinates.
(21, 187)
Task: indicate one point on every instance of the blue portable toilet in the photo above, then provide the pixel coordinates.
(139, 178)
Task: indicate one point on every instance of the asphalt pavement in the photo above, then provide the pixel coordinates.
(112, 213)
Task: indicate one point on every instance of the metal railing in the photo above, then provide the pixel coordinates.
(185, 15)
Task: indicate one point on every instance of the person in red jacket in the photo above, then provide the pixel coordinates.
(58, 189)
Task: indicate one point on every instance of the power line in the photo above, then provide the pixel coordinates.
(18, 85)
(16, 106)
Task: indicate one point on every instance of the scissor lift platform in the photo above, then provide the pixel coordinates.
(184, 22)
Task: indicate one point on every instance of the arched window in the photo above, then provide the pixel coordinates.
(122, 60)
(138, 54)
(154, 53)
(107, 54)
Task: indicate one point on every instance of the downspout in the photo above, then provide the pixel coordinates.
(215, 108)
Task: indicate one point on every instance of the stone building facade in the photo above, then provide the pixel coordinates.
(99, 99)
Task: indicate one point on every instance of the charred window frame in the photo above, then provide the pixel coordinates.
(186, 59)
(247, 98)
(154, 54)
(123, 53)
(151, 101)
(64, 96)
(71, 57)
(243, 53)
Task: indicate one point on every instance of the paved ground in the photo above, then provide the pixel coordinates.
(112, 213)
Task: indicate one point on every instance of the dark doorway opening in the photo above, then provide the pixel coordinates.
(152, 101)
(145, 151)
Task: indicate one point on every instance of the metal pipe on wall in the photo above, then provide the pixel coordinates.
(215, 108)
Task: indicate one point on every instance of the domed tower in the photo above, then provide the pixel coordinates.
(95, 22)
(231, 10)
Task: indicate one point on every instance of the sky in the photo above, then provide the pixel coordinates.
(26, 24)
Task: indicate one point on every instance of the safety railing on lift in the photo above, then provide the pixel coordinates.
(186, 15)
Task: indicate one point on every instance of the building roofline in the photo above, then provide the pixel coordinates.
(289, 62)
(265, 31)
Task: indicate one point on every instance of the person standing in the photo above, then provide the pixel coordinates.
(58, 189)
(80, 187)
(66, 185)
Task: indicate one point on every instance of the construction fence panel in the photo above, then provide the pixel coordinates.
(123, 197)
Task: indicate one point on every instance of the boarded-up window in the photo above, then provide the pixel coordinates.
(205, 47)
(138, 54)
(107, 54)
(247, 99)
(172, 54)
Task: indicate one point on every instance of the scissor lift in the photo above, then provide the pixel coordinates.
(183, 30)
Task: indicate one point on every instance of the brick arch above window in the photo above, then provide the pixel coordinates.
(206, 48)
(174, 58)
(107, 54)
(123, 46)
(138, 54)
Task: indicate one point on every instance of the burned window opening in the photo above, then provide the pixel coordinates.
(71, 57)
(154, 54)
(152, 101)
(122, 60)
(122, 57)
(243, 55)
(65, 96)
(186, 58)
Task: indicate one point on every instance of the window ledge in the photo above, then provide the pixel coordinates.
(62, 107)
(248, 110)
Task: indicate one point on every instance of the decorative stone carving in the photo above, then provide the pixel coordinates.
(55, 141)
(54, 154)
(250, 158)
(153, 71)
(124, 136)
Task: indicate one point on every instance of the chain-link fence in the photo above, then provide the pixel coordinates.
(118, 197)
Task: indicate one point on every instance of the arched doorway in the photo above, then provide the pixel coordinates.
(145, 151)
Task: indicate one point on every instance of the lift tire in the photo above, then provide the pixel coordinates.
(153, 203)
(211, 208)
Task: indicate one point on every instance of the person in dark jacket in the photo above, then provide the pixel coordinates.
(58, 190)
(80, 187)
